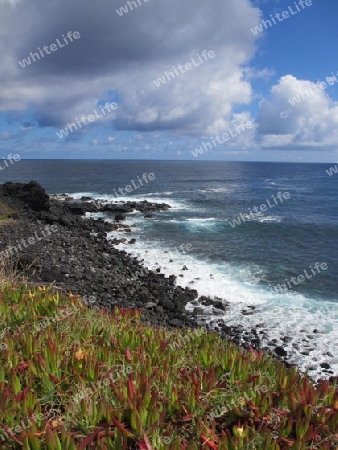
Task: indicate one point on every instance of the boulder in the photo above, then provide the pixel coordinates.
(119, 217)
(76, 207)
(280, 351)
(31, 194)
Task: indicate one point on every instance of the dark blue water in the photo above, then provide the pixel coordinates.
(282, 242)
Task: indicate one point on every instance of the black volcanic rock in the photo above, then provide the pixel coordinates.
(79, 258)
(119, 217)
(280, 351)
(30, 194)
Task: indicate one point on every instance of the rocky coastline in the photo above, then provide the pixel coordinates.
(50, 240)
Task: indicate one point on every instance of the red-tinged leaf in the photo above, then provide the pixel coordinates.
(55, 379)
(12, 435)
(194, 380)
(117, 392)
(88, 440)
(285, 441)
(50, 439)
(128, 355)
(130, 385)
(114, 340)
(23, 366)
(145, 445)
(209, 443)
(252, 378)
(121, 428)
(187, 418)
(162, 416)
(41, 360)
(280, 412)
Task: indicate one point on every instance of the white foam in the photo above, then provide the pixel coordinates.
(312, 327)
(258, 217)
(223, 283)
(201, 219)
(278, 315)
(205, 223)
(174, 204)
(268, 219)
(222, 189)
(158, 193)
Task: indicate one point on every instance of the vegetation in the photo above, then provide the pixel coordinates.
(5, 211)
(73, 377)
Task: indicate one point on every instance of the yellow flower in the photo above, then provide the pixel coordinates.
(79, 355)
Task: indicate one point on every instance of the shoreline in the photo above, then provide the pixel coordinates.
(79, 258)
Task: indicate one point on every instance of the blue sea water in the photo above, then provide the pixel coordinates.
(242, 264)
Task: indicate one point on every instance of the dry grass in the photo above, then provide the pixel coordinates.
(5, 211)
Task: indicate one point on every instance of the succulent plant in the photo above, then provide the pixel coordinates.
(72, 377)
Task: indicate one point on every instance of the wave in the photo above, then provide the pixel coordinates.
(175, 204)
(223, 189)
(158, 193)
(268, 219)
(287, 318)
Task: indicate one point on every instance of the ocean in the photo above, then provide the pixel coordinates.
(262, 235)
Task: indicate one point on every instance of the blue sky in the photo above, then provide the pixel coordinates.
(118, 55)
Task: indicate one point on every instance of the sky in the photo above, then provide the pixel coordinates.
(178, 79)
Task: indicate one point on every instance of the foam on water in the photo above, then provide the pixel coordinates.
(158, 194)
(269, 219)
(306, 328)
(207, 278)
(259, 217)
(221, 189)
(175, 204)
(204, 223)
(310, 326)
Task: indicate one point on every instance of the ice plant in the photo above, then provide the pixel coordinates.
(105, 380)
